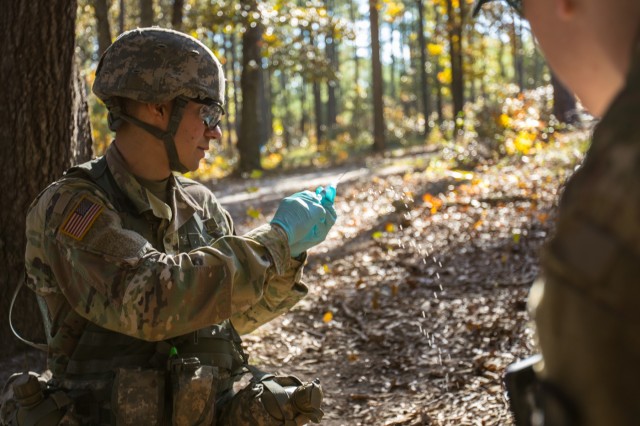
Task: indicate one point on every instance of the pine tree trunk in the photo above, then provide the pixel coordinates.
(121, 16)
(564, 102)
(103, 27)
(379, 144)
(422, 69)
(177, 14)
(251, 125)
(457, 77)
(44, 129)
(146, 13)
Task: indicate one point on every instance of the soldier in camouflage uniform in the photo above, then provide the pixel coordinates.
(587, 306)
(145, 284)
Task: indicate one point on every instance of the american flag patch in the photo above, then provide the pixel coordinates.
(81, 218)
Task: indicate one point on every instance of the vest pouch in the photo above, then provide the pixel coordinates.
(138, 396)
(275, 401)
(193, 388)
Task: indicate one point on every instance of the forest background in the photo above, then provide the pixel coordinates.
(418, 87)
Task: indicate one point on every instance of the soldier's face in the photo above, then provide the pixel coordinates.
(192, 137)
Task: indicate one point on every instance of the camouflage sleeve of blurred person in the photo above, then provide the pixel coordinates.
(114, 277)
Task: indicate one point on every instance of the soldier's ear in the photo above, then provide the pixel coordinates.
(159, 112)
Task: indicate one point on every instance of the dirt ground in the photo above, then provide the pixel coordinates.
(417, 300)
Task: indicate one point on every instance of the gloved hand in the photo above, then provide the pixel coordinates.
(306, 218)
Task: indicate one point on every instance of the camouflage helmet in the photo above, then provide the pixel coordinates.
(157, 65)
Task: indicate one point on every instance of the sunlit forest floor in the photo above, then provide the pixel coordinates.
(417, 299)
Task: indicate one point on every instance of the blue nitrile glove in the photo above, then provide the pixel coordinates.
(306, 218)
(317, 234)
(298, 213)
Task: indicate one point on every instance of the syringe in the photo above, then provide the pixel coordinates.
(329, 192)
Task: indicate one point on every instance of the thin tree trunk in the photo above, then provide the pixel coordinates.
(332, 54)
(457, 77)
(237, 106)
(422, 69)
(516, 45)
(286, 119)
(39, 139)
(564, 102)
(304, 117)
(146, 13)
(267, 114)
(121, 16)
(356, 67)
(228, 142)
(379, 144)
(101, 8)
(177, 14)
(250, 128)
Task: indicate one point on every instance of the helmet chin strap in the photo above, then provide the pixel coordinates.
(167, 137)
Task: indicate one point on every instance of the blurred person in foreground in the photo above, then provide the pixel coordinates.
(144, 284)
(586, 305)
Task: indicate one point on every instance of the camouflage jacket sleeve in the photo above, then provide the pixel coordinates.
(113, 277)
(281, 293)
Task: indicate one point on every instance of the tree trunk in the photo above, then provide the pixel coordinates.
(265, 104)
(455, 43)
(516, 51)
(237, 107)
(286, 119)
(121, 16)
(146, 13)
(356, 67)
(564, 102)
(378, 116)
(250, 128)
(101, 8)
(422, 69)
(39, 138)
(332, 54)
(177, 15)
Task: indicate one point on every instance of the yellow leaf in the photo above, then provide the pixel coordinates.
(326, 268)
(255, 174)
(254, 213)
(524, 142)
(431, 202)
(445, 76)
(435, 49)
(252, 189)
(390, 227)
(516, 236)
(376, 235)
(327, 317)
(504, 120)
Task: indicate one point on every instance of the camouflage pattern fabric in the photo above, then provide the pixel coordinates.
(155, 283)
(587, 309)
(157, 65)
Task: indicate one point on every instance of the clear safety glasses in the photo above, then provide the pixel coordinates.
(211, 114)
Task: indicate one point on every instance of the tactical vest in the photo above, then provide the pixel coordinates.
(100, 352)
